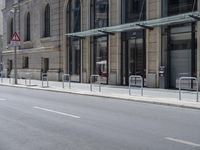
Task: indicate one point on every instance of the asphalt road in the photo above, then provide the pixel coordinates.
(41, 120)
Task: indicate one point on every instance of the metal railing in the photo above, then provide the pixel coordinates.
(135, 81)
(91, 82)
(64, 77)
(28, 76)
(2, 75)
(45, 78)
(197, 86)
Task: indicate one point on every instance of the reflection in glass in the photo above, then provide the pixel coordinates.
(100, 9)
(101, 57)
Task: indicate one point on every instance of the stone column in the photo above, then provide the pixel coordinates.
(85, 44)
(153, 44)
(114, 43)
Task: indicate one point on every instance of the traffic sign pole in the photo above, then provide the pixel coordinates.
(15, 39)
(15, 59)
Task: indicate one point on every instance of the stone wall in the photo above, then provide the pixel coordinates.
(38, 47)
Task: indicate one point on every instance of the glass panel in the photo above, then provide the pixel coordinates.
(73, 25)
(99, 18)
(136, 62)
(101, 57)
(75, 60)
(100, 13)
(47, 21)
(181, 6)
(134, 10)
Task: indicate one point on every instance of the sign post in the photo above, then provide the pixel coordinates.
(15, 40)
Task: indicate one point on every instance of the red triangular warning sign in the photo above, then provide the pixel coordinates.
(15, 37)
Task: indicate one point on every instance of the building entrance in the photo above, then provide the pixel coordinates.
(133, 59)
(182, 55)
(179, 53)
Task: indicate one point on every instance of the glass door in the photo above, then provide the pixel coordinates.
(133, 58)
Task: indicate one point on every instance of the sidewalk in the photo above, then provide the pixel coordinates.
(155, 96)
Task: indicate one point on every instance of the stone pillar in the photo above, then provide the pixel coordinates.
(114, 43)
(153, 44)
(85, 44)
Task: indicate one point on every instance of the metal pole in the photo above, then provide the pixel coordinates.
(15, 51)
(180, 89)
(197, 89)
(91, 83)
(142, 87)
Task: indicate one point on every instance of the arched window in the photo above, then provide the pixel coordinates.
(10, 29)
(28, 27)
(99, 47)
(73, 24)
(47, 21)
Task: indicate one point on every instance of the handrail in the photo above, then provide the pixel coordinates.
(189, 78)
(91, 81)
(45, 77)
(63, 80)
(131, 84)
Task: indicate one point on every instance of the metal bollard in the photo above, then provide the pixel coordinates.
(63, 80)
(45, 77)
(28, 77)
(189, 78)
(91, 82)
(130, 83)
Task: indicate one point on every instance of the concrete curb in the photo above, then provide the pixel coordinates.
(148, 100)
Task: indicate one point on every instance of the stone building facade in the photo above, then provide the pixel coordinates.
(160, 53)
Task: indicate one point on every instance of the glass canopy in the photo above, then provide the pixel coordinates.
(149, 24)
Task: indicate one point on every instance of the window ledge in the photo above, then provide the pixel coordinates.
(27, 42)
(45, 39)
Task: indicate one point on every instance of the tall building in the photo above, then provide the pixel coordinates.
(155, 39)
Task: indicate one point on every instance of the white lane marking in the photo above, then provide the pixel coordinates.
(182, 142)
(57, 112)
(2, 99)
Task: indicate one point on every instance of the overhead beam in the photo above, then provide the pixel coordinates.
(78, 37)
(106, 32)
(195, 17)
(145, 26)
